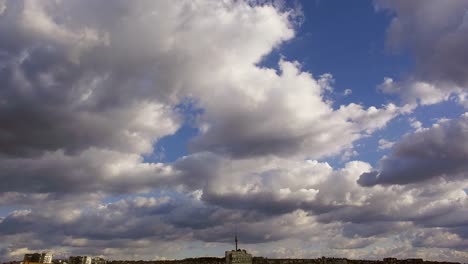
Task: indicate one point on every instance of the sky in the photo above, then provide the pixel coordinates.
(159, 129)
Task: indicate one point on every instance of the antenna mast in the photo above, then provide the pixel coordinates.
(236, 240)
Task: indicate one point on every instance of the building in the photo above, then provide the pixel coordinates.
(32, 258)
(60, 261)
(79, 260)
(390, 260)
(44, 257)
(325, 260)
(238, 256)
(98, 260)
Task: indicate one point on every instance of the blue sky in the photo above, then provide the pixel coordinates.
(155, 129)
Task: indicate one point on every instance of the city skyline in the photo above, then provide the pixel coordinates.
(161, 129)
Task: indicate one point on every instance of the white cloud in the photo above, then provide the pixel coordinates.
(2, 6)
(385, 144)
(283, 114)
(417, 125)
(348, 154)
(417, 92)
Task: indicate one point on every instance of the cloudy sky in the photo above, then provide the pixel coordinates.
(156, 129)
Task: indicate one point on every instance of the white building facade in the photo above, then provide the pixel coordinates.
(239, 256)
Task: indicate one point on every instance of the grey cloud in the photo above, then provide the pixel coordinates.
(274, 187)
(356, 243)
(454, 217)
(354, 214)
(18, 198)
(52, 102)
(92, 171)
(373, 229)
(106, 222)
(265, 202)
(440, 237)
(240, 184)
(436, 32)
(357, 213)
(162, 219)
(440, 151)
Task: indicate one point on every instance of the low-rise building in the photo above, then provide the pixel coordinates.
(79, 260)
(60, 261)
(325, 260)
(32, 258)
(238, 256)
(44, 257)
(98, 260)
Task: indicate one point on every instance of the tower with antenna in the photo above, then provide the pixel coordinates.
(235, 239)
(238, 256)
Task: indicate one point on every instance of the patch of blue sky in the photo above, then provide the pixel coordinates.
(5, 210)
(430, 114)
(349, 43)
(169, 148)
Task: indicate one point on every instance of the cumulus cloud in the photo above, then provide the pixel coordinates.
(82, 100)
(417, 92)
(436, 33)
(93, 170)
(276, 186)
(116, 79)
(80, 97)
(90, 87)
(385, 144)
(161, 219)
(417, 125)
(77, 231)
(283, 115)
(439, 237)
(439, 151)
(355, 216)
